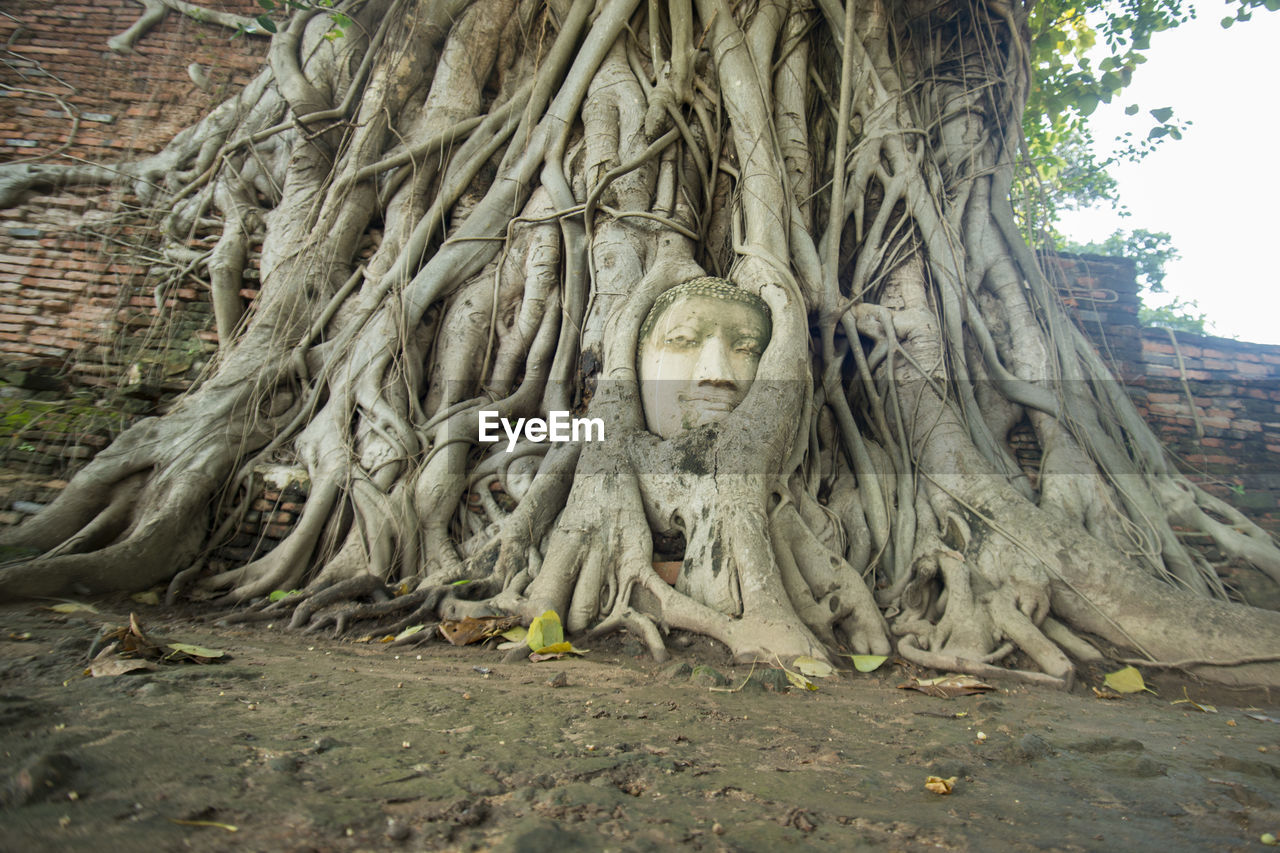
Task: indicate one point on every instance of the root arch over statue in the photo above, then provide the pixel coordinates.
(475, 206)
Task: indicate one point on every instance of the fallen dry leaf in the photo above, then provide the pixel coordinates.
(947, 686)
(118, 666)
(939, 785)
(464, 632)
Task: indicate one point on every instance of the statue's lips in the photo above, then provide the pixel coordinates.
(711, 399)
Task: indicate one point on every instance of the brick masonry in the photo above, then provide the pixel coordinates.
(74, 297)
(84, 348)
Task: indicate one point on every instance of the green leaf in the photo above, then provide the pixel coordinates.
(516, 638)
(1163, 114)
(266, 23)
(1127, 680)
(277, 594)
(545, 630)
(1131, 110)
(461, 582)
(267, 4)
(813, 667)
(868, 663)
(1227, 22)
(196, 651)
(410, 631)
(1157, 132)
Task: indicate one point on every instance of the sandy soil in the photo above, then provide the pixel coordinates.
(307, 743)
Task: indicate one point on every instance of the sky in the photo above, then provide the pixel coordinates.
(1217, 190)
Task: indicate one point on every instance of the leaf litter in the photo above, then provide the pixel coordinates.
(128, 648)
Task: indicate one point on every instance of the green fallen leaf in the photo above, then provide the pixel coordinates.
(410, 631)
(196, 651)
(1127, 680)
(813, 667)
(461, 582)
(277, 594)
(516, 634)
(868, 663)
(545, 630)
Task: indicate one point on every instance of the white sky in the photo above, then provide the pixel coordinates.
(1217, 190)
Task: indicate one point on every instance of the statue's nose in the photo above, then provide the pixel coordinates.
(713, 362)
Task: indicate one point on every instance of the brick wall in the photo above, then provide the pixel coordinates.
(84, 347)
(74, 302)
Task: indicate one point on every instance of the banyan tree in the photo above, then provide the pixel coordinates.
(553, 291)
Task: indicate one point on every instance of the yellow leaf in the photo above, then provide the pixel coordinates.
(149, 597)
(545, 630)
(868, 663)
(562, 648)
(813, 667)
(72, 607)
(800, 681)
(516, 634)
(939, 785)
(1127, 680)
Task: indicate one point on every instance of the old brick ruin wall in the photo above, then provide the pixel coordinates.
(85, 349)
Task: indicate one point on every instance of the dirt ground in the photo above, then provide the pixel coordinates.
(302, 743)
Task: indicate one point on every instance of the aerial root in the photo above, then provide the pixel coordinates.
(626, 617)
(912, 652)
(365, 584)
(341, 618)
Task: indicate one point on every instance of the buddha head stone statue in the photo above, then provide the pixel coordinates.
(698, 351)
